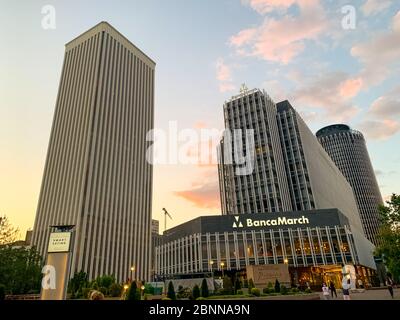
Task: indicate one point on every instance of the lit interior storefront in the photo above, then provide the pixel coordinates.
(315, 248)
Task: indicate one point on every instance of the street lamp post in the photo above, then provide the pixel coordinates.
(222, 268)
(133, 271)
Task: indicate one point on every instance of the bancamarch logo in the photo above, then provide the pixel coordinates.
(270, 222)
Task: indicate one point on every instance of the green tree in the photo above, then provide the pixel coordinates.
(204, 289)
(133, 293)
(277, 286)
(389, 235)
(171, 291)
(196, 292)
(8, 234)
(20, 269)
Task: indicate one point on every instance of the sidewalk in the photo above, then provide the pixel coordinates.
(378, 294)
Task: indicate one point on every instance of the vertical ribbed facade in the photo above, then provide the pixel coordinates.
(265, 189)
(96, 176)
(315, 182)
(348, 150)
(296, 167)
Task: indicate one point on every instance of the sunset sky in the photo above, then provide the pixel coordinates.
(205, 50)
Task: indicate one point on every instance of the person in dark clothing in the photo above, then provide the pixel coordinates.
(389, 284)
(333, 289)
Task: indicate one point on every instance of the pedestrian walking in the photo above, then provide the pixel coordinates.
(333, 289)
(346, 290)
(325, 291)
(389, 283)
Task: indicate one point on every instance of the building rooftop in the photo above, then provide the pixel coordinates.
(333, 129)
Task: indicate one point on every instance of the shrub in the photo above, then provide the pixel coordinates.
(251, 284)
(146, 296)
(239, 292)
(267, 290)
(165, 298)
(196, 292)
(86, 293)
(295, 290)
(284, 290)
(103, 290)
(171, 291)
(115, 290)
(308, 290)
(204, 289)
(133, 292)
(255, 291)
(270, 285)
(2, 292)
(245, 283)
(277, 286)
(201, 298)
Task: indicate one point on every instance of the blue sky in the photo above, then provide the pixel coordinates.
(204, 50)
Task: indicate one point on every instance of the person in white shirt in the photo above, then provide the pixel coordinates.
(325, 291)
(346, 290)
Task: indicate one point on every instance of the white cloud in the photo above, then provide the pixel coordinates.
(372, 7)
(380, 55)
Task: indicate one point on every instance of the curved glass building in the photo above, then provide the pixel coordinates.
(348, 150)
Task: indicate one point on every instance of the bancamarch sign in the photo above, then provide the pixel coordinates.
(249, 222)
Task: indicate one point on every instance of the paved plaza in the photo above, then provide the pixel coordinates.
(381, 294)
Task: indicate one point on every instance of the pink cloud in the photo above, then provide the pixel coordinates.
(282, 40)
(379, 129)
(223, 75)
(379, 54)
(243, 37)
(330, 92)
(350, 87)
(203, 196)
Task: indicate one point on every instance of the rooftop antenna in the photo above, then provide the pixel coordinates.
(165, 218)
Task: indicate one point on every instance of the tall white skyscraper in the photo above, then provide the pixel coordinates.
(96, 175)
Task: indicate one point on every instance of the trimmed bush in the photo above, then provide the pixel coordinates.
(251, 284)
(284, 290)
(196, 292)
(267, 290)
(171, 291)
(277, 286)
(308, 290)
(239, 292)
(295, 290)
(103, 290)
(115, 290)
(255, 291)
(133, 292)
(86, 293)
(201, 298)
(204, 289)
